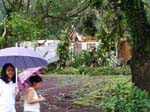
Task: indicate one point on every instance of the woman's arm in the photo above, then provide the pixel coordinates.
(18, 94)
(29, 97)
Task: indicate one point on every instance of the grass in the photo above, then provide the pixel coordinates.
(95, 89)
(96, 71)
(92, 89)
(95, 84)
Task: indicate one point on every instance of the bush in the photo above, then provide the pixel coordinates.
(68, 71)
(109, 71)
(127, 99)
(84, 70)
(96, 71)
(63, 50)
(82, 58)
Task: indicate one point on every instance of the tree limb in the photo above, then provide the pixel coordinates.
(28, 4)
(69, 14)
(4, 4)
(5, 29)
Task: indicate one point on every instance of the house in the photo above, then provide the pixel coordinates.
(80, 42)
(48, 48)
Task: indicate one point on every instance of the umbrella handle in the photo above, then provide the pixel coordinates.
(17, 77)
(16, 70)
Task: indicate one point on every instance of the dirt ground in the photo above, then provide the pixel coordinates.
(59, 99)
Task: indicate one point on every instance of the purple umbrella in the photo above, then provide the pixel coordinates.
(21, 58)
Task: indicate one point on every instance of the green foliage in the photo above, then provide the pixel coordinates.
(77, 59)
(82, 58)
(1, 42)
(63, 50)
(84, 70)
(20, 28)
(127, 99)
(96, 71)
(103, 52)
(58, 15)
(68, 71)
(89, 22)
(147, 9)
(94, 90)
(109, 71)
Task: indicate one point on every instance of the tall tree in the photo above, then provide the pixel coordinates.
(135, 13)
(140, 30)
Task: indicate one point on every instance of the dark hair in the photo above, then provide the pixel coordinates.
(35, 79)
(4, 77)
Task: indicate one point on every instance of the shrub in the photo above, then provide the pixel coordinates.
(127, 99)
(96, 71)
(109, 71)
(63, 50)
(68, 71)
(84, 70)
(82, 58)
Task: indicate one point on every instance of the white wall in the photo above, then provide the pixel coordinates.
(49, 50)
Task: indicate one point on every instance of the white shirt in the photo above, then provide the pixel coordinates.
(35, 107)
(7, 96)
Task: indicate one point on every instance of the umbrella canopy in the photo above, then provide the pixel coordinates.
(23, 76)
(48, 52)
(21, 57)
(29, 72)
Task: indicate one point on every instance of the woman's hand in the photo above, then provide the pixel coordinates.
(29, 97)
(42, 99)
(17, 90)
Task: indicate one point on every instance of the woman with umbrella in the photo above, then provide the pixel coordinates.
(20, 58)
(9, 93)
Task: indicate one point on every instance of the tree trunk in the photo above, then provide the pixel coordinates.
(140, 30)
